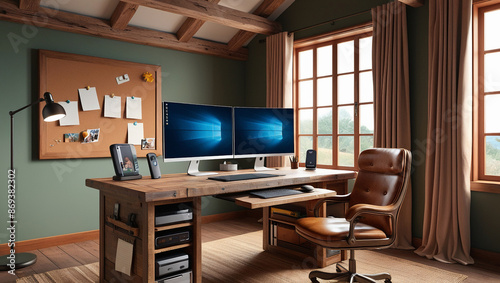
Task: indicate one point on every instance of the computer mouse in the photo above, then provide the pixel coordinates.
(307, 188)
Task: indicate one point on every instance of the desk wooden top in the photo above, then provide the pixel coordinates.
(173, 186)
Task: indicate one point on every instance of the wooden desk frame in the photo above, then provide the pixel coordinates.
(142, 196)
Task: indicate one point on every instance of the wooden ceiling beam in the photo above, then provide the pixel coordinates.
(122, 15)
(191, 26)
(206, 11)
(264, 10)
(30, 5)
(64, 21)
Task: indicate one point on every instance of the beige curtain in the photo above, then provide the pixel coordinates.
(392, 95)
(279, 78)
(446, 231)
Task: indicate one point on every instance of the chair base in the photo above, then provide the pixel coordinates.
(345, 275)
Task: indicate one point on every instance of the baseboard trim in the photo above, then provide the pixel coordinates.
(42, 243)
(487, 258)
(483, 257)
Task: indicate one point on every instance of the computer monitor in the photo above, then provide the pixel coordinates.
(261, 132)
(194, 132)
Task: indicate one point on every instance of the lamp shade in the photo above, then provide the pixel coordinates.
(52, 111)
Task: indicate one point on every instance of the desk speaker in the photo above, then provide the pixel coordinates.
(311, 159)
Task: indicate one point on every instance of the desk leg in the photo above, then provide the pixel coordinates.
(102, 244)
(197, 268)
(265, 228)
(148, 246)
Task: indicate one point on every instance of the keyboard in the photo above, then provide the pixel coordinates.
(272, 193)
(240, 177)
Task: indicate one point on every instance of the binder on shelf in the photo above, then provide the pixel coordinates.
(288, 210)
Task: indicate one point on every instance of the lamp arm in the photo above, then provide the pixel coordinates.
(11, 113)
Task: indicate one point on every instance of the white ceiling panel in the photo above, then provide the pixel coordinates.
(216, 32)
(94, 8)
(157, 19)
(246, 6)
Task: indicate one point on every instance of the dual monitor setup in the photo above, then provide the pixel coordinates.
(194, 132)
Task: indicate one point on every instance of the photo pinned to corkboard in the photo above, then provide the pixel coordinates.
(72, 137)
(148, 143)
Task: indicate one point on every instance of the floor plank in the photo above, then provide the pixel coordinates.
(7, 277)
(476, 273)
(79, 254)
(91, 247)
(59, 257)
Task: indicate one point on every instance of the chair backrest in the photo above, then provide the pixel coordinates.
(382, 180)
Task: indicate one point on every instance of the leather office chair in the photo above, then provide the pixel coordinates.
(371, 218)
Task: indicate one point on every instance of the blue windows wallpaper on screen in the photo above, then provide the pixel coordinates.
(193, 131)
(263, 131)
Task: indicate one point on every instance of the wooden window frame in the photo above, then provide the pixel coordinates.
(334, 38)
(480, 181)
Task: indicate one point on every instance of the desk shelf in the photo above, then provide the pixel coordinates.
(172, 248)
(173, 226)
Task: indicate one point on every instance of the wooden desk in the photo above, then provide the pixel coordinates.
(141, 197)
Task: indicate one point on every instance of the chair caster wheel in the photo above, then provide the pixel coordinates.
(387, 281)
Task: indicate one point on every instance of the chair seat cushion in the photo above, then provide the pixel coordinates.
(335, 229)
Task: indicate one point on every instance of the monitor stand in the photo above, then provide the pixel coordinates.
(259, 164)
(193, 169)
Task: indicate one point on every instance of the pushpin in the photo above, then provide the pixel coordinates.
(112, 95)
(135, 123)
(133, 97)
(67, 101)
(88, 87)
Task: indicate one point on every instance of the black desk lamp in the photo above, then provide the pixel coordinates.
(51, 112)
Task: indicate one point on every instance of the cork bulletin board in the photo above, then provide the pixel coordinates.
(63, 74)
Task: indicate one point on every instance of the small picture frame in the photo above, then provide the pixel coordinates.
(124, 162)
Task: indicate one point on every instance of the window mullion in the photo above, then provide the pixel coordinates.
(335, 139)
(356, 101)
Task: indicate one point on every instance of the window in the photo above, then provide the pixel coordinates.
(487, 92)
(334, 99)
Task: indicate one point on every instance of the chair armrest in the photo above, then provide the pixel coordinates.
(339, 198)
(357, 210)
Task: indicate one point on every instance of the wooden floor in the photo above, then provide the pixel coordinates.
(88, 252)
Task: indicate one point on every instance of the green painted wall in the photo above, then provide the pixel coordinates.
(485, 229)
(51, 195)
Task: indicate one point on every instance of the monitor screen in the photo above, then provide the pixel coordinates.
(196, 132)
(263, 131)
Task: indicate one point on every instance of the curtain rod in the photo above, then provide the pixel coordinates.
(332, 21)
